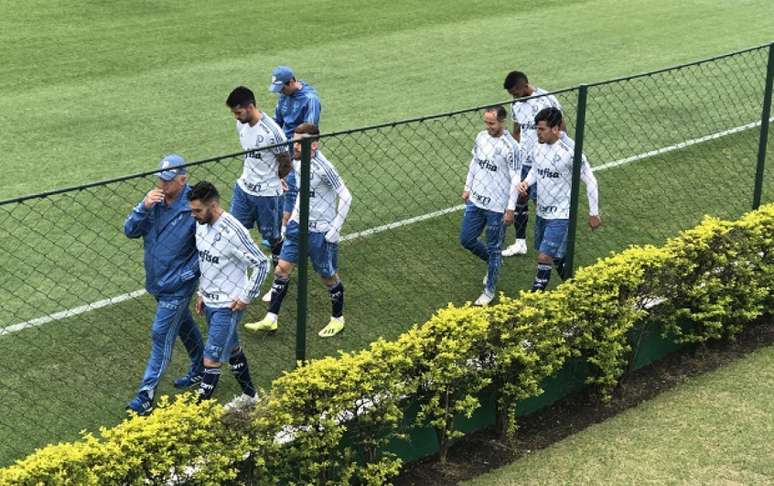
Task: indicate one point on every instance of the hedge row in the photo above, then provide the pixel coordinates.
(329, 422)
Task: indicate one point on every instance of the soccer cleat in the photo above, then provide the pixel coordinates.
(335, 326)
(240, 402)
(188, 380)
(484, 299)
(518, 248)
(265, 324)
(142, 404)
(267, 297)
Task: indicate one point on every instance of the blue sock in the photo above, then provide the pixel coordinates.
(337, 299)
(278, 291)
(209, 381)
(541, 278)
(520, 221)
(238, 363)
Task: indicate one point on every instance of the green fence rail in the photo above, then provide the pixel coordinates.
(666, 148)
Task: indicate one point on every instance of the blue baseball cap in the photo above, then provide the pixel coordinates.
(171, 166)
(280, 76)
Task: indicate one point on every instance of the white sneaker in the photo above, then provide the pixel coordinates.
(267, 296)
(241, 402)
(484, 299)
(518, 248)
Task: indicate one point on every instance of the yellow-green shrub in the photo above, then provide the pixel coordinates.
(447, 373)
(709, 281)
(527, 343)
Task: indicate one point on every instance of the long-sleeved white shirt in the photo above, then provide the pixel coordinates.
(552, 171)
(523, 113)
(226, 251)
(493, 174)
(325, 188)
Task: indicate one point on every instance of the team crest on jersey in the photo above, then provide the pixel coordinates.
(557, 158)
(259, 139)
(217, 237)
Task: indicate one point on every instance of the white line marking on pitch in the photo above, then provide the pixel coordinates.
(39, 321)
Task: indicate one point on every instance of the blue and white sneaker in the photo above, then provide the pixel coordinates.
(141, 403)
(189, 380)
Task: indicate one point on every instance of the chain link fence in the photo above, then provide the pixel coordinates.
(665, 147)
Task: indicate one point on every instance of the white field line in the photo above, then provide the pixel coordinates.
(39, 321)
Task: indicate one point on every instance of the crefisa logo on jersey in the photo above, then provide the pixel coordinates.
(488, 165)
(551, 174)
(206, 256)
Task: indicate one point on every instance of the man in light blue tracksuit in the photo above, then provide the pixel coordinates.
(163, 219)
(298, 103)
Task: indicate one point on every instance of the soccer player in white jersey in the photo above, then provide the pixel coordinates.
(552, 173)
(226, 252)
(257, 193)
(523, 113)
(326, 218)
(490, 195)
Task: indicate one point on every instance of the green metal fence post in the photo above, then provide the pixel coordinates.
(303, 249)
(763, 140)
(580, 124)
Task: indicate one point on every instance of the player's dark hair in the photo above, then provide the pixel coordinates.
(309, 129)
(499, 111)
(551, 115)
(203, 191)
(515, 78)
(240, 96)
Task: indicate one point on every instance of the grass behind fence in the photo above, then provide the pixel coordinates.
(62, 252)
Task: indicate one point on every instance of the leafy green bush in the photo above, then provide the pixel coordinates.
(330, 421)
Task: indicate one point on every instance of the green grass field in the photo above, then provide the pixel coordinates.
(712, 429)
(104, 90)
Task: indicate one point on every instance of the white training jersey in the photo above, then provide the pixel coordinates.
(493, 172)
(259, 173)
(226, 251)
(325, 184)
(523, 113)
(552, 172)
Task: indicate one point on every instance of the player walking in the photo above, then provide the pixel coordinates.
(163, 221)
(552, 173)
(257, 193)
(490, 195)
(523, 113)
(325, 221)
(225, 254)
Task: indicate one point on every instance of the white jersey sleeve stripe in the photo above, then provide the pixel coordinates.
(279, 136)
(255, 259)
(247, 243)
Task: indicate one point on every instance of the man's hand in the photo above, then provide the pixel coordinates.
(465, 195)
(594, 222)
(332, 236)
(154, 196)
(237, 305)
(523, 188)
(508, 217)
(199, 307)
(284, 185)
